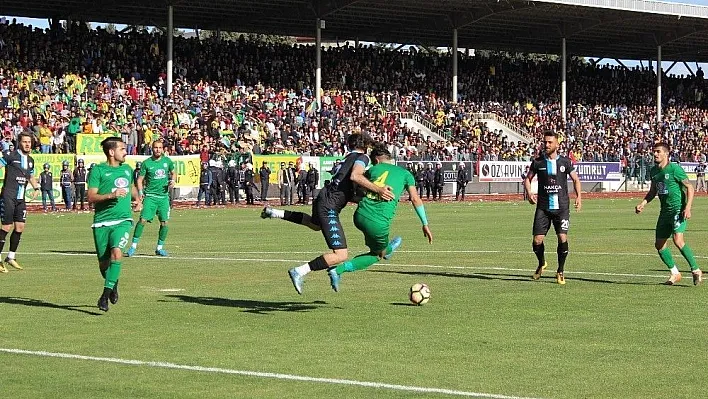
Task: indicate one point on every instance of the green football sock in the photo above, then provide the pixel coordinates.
(688, 254)
(360, 262)
(162, 235)
(665, 255)
(112, 274)
(138, 232)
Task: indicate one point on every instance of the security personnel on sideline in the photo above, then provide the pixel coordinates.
(249, 182)
(45, 184)
(80, 184)
(233, 177)
(65, 179)
(438, 181)
(420, 175)
(264, 174)
(462, 181)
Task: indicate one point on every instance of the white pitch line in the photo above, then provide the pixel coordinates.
(265, 260)
(279, 376)
(457, 251)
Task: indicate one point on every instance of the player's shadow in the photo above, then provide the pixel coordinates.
(70, 252)
(512, 277)
(250, 306)
(44, 304)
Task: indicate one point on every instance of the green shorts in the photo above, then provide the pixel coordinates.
(108, 237)
(668, 225)
(375, 233)
(155, 205)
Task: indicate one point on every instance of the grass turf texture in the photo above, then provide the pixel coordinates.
(488, 328)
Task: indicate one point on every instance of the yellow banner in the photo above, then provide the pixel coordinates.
(273, 162)
(187, 167)
(87, 144)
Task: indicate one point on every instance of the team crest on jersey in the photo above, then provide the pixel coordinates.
(30, 165)
(666, 176)
(562, 169)
(164, 165)
(121, 182)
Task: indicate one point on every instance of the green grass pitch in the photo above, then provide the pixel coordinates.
(223, 300)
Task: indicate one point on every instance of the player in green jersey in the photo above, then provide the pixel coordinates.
(670, 183)
(111, 191)
(373, 216)
(157, 177)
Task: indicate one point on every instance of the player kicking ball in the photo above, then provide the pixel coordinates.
(111, 190)
(373, 216)
(156, 178)
(675, 191)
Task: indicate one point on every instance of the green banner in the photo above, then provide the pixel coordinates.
(326, 164)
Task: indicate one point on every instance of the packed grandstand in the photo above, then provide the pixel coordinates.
(240, 97)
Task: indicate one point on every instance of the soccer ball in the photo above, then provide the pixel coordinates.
(420, 294)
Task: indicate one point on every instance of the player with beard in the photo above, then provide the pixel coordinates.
(552, 202)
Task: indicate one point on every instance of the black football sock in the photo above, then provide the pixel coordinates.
(562, 254)
(294, 217)
(539, 251)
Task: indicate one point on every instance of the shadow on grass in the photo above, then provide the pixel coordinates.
(524, 278)
(249, 306)
(43, 304)
(70, 252)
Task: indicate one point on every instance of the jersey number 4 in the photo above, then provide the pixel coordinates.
(380, 182)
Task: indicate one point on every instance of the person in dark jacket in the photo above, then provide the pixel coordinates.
(264, 174)
(313, 177)
(205, 180)
(301, 185)
(233, 177)
(65, 179)
(420, 175)
(429, 180)
(438, 182)
(80, 184)
(45, 184)
(462, 180)
(249, 182)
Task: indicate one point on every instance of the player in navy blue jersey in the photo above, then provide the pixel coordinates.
(552, 202)
(329, 203)
(19, 171)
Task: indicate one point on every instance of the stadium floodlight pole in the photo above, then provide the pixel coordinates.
(658, 84)
(170, 33)
(454, 66)
(564, 67)
(318, 71)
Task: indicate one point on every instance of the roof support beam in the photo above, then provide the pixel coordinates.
(471, 17)
(326, 7)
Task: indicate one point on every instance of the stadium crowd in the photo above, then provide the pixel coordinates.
(239, 97)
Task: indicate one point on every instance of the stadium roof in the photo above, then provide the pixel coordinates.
(605, 28)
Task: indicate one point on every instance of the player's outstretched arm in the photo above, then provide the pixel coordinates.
(578, 189)
(647, 198)
(689, 198)
(420, 211)
(358, 177)
(35, 186)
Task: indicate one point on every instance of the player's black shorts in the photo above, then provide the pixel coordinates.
(542, 221)
(12, 210)
(326, 215)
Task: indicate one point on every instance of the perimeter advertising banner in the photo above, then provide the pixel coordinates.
(515, 171)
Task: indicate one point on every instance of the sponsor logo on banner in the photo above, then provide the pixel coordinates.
(515, 171)
(273, 162)
(87, 144)
(596, 172)
(503, 171)
(689, 168)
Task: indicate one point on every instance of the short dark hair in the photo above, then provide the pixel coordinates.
(359, 140)
(25, 134)
(550, 133)
(664, 145)
(111, 143)
(380, 150)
